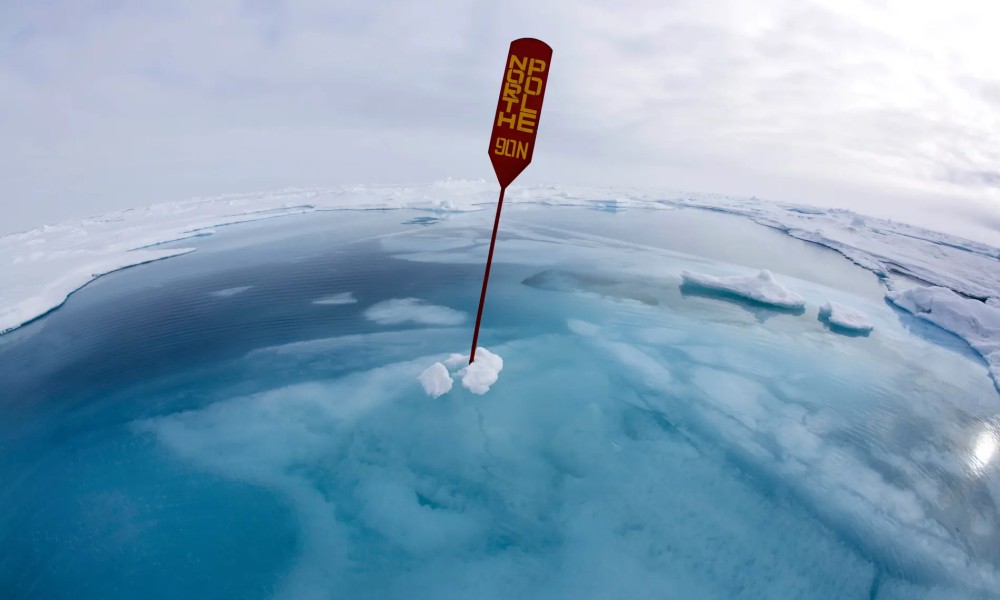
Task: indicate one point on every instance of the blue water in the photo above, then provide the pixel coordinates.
(200, 428)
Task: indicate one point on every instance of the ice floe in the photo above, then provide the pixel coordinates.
(845, 317)
(762, 287)
(977, 323)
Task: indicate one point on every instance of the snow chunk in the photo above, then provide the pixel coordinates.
(344, 298)
(761, 288)
(454, 360)
(975, 322)
(480, 375)
(845, 316)
(436, 380)
(413, 310)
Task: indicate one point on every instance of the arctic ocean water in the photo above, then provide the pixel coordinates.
(236, 422)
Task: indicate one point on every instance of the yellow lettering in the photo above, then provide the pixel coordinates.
(515, 77)
(511, 148)
(538, 86)
(510, 93)
(537, 66)
(508, 120)
(527, 119)
(517, 62)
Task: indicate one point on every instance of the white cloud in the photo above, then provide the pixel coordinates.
(888, 108)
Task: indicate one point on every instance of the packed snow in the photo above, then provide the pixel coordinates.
(482, 373)
(762, 287)
(845, 317)
(477, 377)
(976, 322)
(436, 380)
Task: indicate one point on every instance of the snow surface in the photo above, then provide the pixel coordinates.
(762, 287)
(976, 322)
(845, 316)
(40, 268)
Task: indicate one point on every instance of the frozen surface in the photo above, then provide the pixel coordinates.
(762, 287)
(336, 299)
(157, 441)
(976, 322)
(230, 291)
(413, 310)
(41, 267)
(846, 317)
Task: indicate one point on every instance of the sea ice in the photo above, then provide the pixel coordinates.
(413, 310)
(976, 322)
(436, 380)
(845, 317)
(762, 287)
(226, 293)
(49, 263)
(337, 299)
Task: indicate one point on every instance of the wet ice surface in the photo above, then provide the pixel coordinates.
(642, 441)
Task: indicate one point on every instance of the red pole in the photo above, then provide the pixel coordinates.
(486, 277)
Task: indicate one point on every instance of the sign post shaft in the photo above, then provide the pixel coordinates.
(486, 277)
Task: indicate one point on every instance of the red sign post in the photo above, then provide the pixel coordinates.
(515, 126)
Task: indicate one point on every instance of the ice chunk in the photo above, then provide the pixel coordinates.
(436, 380)
(761, 288)
(336, 299)
(413, 310)
(481, 374)
(846, 317)
(977, 323)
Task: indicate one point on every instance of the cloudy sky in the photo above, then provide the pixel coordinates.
(889, 107)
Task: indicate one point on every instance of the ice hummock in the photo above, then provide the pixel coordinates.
(845, 317)
(976, 322)
(762, 287)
